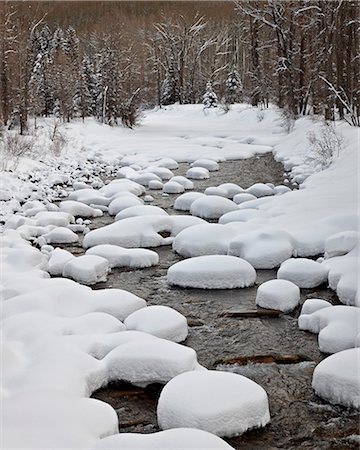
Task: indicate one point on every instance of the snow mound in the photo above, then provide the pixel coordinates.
(79, 209)
(231, 189)
(172, 187)
(242, 198)
(57, 261)
(155, 185)
(337, 380)
(341, 243)
(314, 304)
(280, 189)
(145, 178)
(177, 438)
(197, 173)
(140, 210)
(282, 295)
(263, 249)
(223, 403)
(212, 207)
(212, 190)
(142, 231)
(239, 216)
(149, 360)
(208, 164)
(160, 321)
(125, 257)
(212, 272)
(181, 222)
(161, 172)
(204, 239)
(305, 273)
(188, 184)
(260, 190)
(89, 197)
(59, 219)
(60, 235)
(123, 202)
(168, 163)
(184, 201)
(87, 269)
(337, 326)
(116, 187)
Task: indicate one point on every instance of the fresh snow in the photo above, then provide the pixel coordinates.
(222, 403)
(212, 272)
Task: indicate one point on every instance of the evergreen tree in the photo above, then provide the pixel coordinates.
(210, 99)
(233, 86)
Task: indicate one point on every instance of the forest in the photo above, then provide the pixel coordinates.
(110, 60)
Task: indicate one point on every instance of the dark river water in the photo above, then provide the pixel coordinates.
(230, 333)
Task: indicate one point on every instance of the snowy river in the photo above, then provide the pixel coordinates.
(229, 332)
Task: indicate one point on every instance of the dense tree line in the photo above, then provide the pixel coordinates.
(300, 55)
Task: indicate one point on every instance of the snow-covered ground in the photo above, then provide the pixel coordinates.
(61, 340)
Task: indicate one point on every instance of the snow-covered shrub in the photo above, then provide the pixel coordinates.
(324, 146)
(287, 120)
(260, 115)
(13, 146)
(57, 137)
(210, 99)
(233, 86)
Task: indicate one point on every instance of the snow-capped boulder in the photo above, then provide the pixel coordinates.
(161, 172)
(123, 202)
(174, 439)
(160, 321)
(336, 378)
(125, 257)
(172, 187)
(144, 178)
(337, 326)
(305, 273)
(197, 173)
(313, 304)
(212, 207)
(243, 197)
(280, 189)
(60, 235)
(341, 243)
(58, 258)
(212, 272)
(231, 189)
(278, 294)
(208, 164)
(239, 216)
(263, 249)
(168, 163)
(58, 219)
(188, 184)
(89, 197)
(223, 403)
(123, 185)
(260, 190)
(184, 201)
(156, 185)
(77, 209)
(87, 269)
(212, 190)
(140, 210)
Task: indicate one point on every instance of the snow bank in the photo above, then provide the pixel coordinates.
(222, 403)
(278, 294)
(212, 272)
(160, 321)
(337, 378)
(125, 257)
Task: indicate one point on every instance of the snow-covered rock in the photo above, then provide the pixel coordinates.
(168, 163)
(116, 187)
(133, 232)
(263, 249)
(60, 235)
(212, 272)
(212, 190)
(184, 201)
(208, 164)
(145, 178)
(260, 190)
(336, 378)
(125, 257)
(231, 189)
(172, 187)
(280, 189)
(161, 172)
(149, 360)
(58, 258)
(77, 209)
(341, 243)
(243, 197)
(305, 273)
(184, 438)
(160, 321)
(313, 304)
(140, 210)
(89, 197)
(197, 173)
(123, 202)
(223, 403)
(282, 295)
(188, 184)
(337, 326)
(87, 269)
(212, 207)
(243, 215)
(155, 185)
(59, 219)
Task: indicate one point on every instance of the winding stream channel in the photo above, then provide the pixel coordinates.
(230, 333)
